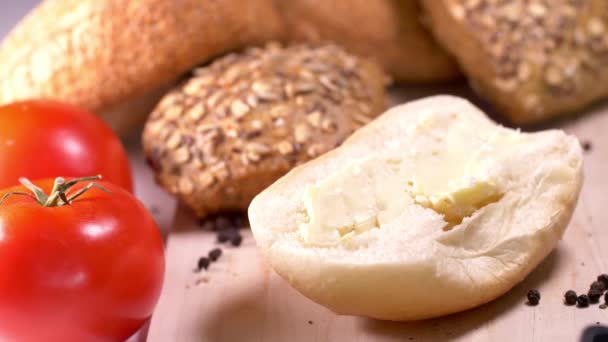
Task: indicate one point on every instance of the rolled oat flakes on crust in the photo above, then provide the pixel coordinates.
(237, 125)
(533, 59)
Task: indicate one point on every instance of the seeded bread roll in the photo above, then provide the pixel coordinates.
(534, 60)
(237, 125)
(390, 31)
(430, 209)
(116, 57)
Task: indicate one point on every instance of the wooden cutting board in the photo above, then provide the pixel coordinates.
(241, 299)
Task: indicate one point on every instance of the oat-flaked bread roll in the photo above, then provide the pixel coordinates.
(116, 57)
(237, 125)
(428, 210)
(534, 60)
(390, 31)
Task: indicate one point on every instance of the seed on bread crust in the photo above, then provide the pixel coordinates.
(285, 147)
(533, 58)
(247, 118)
(552, 43)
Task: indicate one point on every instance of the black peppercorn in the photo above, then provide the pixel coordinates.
(598, 285)
(594, 295)
(236, 240)
(203, 263)
(583, 301)
(222, 223)
(533, 297)
(570, 297)
(587, 146)
(215, 254)
(224, 236)
(603, 278)
(237, 222)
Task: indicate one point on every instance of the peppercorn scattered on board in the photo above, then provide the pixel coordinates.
(239, 298)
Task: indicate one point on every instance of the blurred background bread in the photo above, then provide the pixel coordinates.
(116, 57)
(533, 60)
(389, 31)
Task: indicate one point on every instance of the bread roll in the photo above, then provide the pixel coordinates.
(534, 60)
(430, 209)
(389, 31)
(237, 125)
(116, 57)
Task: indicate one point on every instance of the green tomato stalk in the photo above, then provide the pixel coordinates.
(58, 196)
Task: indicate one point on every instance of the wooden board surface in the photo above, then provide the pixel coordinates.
(241, 299)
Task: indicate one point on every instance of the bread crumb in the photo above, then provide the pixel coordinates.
(201, 280)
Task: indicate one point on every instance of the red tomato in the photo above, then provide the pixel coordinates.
(43, 139)
(87, 271)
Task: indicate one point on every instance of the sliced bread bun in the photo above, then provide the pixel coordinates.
(430, 209)
(116, 57)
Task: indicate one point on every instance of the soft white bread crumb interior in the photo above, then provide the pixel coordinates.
(418, 263)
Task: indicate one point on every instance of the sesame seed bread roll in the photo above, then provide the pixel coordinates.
(388, 31)
(116, 57)
(428, 210)
(239, 124)
(534, 60)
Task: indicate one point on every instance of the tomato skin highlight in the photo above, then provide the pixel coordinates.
(43, 139)
(88, 271)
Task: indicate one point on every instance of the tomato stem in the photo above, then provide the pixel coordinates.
(57, 185)
(83, 190)
(58, 196)
(16, 193)
(39, 193)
